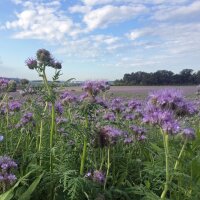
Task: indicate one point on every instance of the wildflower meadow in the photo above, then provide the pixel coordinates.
(56, 144)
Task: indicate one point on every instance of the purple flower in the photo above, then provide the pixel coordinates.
(59, 108)
(68, 98)
(14, 106)
(133, 105)
(93, 88)
(1, 138)
(117, 105)
(98, 176)
(128, 140)
(109, 116)
(171, 99)
(188, 133)
(129, 116)
(6, 163)
(44, 57)
(138, 130)
(3, 83)
(83, 96)
(27, 118)
(108, 135)
(31, 63)
(60, 120)
(162, 118)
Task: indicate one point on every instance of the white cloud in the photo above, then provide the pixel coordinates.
(137, 34)
(104, 16)
(173, 39)
(96, 2)
(178, 11)
(79, 9)
(42, 21)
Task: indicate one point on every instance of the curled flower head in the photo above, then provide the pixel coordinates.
(172, 99)
(117, 105)
(44, 56)
(31, 63)
(68, 98)
(93, 88)
(108, 135)
(14, 106)
(57, 65)
(109, 116)
(188, 133)
(163, 118)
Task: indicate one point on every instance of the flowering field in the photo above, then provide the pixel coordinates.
(64, 145)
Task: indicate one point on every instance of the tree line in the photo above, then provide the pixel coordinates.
(161, 77)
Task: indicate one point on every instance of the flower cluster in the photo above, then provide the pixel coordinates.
(26, 119)
(67, 98)
(7, 178)
(59, 108)
(93, 88)
(117, 105)
(163, 118)
(173, 100)
(108, 135)
(14, 106)
(188, 133)
(97, 176)
(3, 83)
(44, 58)
(140, 132)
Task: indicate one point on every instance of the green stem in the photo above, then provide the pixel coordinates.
(108, 167)
(179, 157)
(46, 82)
(17, 145)
(51, 135)
(166, 147)
(41, 134)
(83, 156)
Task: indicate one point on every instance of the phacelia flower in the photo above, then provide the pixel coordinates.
(7, 178)
(109, 116)
(59, 108)
(108, 135)
(14, 106)
(67, 97)
(188, 133)
(117, 105)
(60, 120)
(98, 176)
(173, 100)
(93, 88)
(31, 63)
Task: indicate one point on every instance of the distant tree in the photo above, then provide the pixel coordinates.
(24, 81)
(160, 77)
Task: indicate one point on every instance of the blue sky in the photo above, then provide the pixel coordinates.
(100, 39)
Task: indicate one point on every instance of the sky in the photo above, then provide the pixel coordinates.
(100, 39)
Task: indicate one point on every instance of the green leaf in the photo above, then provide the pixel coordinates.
(10, 193)
(27, 195)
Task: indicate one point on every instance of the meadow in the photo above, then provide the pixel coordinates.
(98, 142)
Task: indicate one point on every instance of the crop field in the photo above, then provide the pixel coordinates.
(142, 91)
(98, 142)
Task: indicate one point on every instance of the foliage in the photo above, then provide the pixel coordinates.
(161, 77)
(80, 147)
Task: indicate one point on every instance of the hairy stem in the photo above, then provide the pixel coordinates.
(166, 147)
